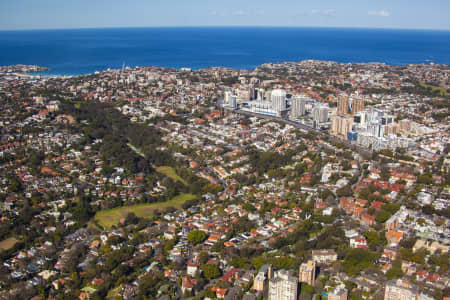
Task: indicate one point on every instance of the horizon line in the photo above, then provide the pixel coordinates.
(225, 26)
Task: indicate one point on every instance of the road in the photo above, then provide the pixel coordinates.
(360, 177)
(363, 151)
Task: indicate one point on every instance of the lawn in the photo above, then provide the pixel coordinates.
(442, 90)
(108, 218)
(170, 172)
(165, 170)
(114, 292)
(8, 243)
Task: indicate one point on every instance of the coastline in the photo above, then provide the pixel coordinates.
(73, 52)
(49, 73)
(46, 72)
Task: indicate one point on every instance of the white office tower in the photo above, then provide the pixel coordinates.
(283, 286)
(278, 100)
(320, 114)
(260, 94)
(298, 106)
(230, 100)
(374, 115)
(376, 130)
(227, 97)
(360, 119)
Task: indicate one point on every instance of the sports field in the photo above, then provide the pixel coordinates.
(8, 243)
(170, 172)
(108, 218)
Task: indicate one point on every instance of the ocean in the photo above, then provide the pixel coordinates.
(81, 51)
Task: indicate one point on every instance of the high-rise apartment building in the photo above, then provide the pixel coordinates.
(298, 103)
(259, 282)
(230, 100)
(341, 125)
(320, 113)
(283, 286)
(265, 273)
(227, 97)
(307, 272)
(342, 105)
(357, 105)
(278, 100)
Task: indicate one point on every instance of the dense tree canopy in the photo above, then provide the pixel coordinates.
(210, 271)
(196, 236)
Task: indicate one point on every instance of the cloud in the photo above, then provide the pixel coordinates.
(324, 12)
(379, 13)
(240, 13)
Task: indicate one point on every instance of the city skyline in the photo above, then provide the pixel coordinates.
(51, 14)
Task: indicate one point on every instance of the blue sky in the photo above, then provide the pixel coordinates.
(43, 14)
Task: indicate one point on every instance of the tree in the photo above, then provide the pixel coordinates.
(391, 207)
(248, 207)
(243, 225)
(83, 211)
(408, 242)
(210, 271)
(357, 259)
(307, 289)
(203, 257)
(15, 185)
(213, 188)
(149, 285)
(364, 194)
(325, 194)
(27, 212)
(385, 174)
(196, 237)
(217, 247)
(239, 262)
(440, 260)
(345, 191)
(425, 179)
(417, 257)
(349, 285)
(374, 239)
(383, 216)
(346, 165)
(394, 272)
(131, 218)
